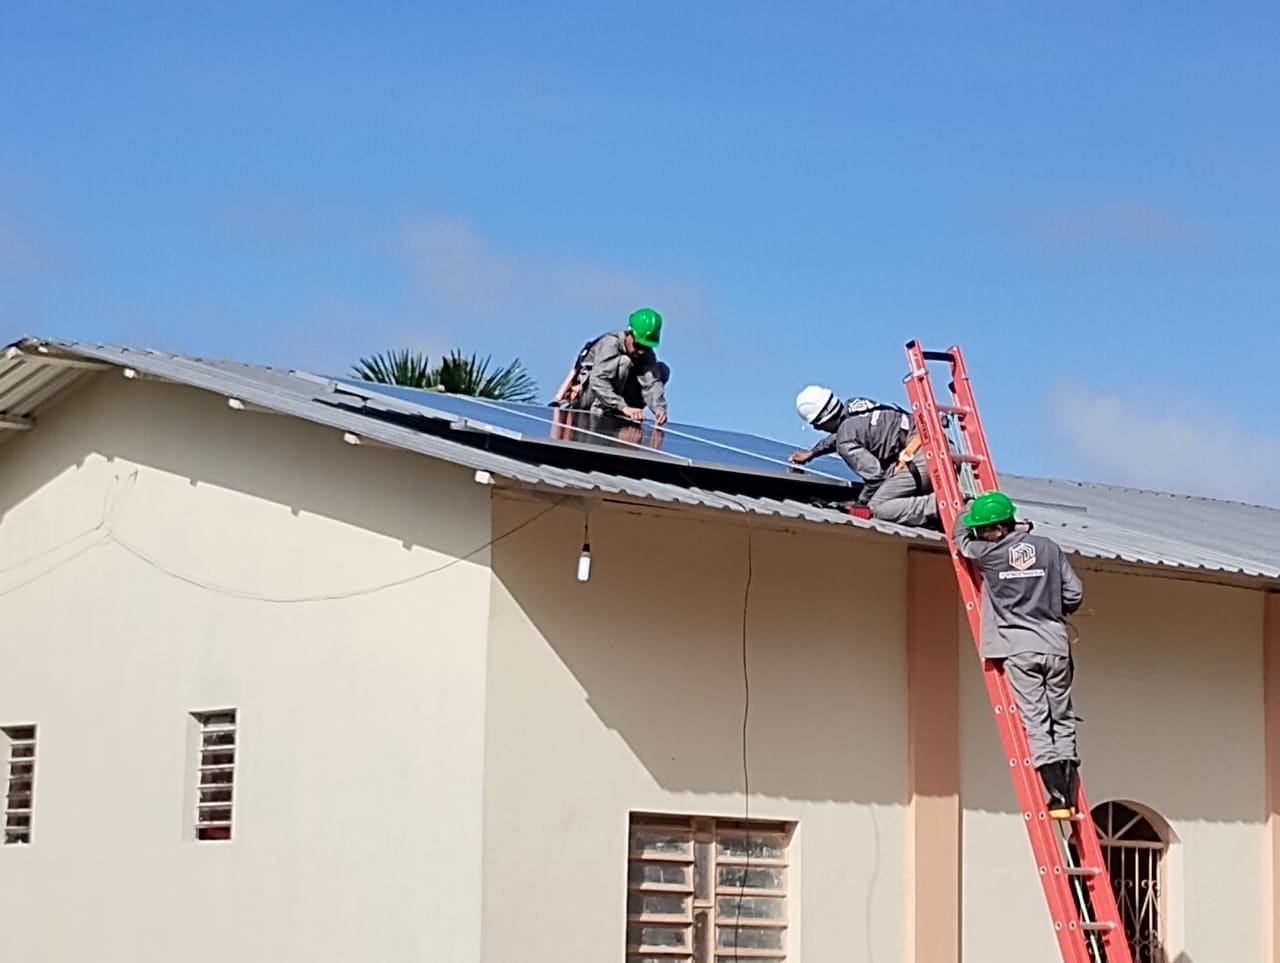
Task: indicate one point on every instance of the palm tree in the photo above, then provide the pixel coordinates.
(455, 374)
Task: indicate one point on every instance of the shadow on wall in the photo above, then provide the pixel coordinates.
(654, 641)
(1158, 704)
(194, 435)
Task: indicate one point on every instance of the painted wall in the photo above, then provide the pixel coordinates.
(358, 789)
(626, 694)
(1169, 682)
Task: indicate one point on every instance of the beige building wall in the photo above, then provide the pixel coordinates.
(358, 790)
(1169, 682)
(625, 694)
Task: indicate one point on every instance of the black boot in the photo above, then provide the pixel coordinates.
(1069, 767)
(1054, 777)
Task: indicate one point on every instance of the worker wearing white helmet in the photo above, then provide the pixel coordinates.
(880, 443)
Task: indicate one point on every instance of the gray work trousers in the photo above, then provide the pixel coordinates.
(1041, 686)
(905, 498)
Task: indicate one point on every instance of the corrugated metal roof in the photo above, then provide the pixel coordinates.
(1090, 520)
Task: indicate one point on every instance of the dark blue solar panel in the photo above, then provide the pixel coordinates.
(672, 444)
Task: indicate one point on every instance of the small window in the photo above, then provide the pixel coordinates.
(703, 890)
(216, 771)
(20, 744)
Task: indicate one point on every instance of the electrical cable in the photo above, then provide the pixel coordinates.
(111, 508)
(746, 767)
(327, 596)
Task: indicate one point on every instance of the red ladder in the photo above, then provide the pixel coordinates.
(1076, 884)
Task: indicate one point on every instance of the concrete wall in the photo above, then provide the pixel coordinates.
(358, 789)
(626, 693)
(1169, 682)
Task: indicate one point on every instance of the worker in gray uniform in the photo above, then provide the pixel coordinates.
(619, 373)
(880, 444)
(1028, 590)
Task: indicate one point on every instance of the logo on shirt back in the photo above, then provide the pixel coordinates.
(1022, 556)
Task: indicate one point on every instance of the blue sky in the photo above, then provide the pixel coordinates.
(1087, 199)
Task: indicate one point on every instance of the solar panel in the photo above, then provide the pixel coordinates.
(674, 443)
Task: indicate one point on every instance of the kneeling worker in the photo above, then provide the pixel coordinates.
(619, 373)
(880, 443)
(1028, 589)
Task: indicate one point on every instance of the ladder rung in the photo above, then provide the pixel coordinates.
(1104, 927)
(953, 409)
(1082, 870)
(938, 356)
(968, 459)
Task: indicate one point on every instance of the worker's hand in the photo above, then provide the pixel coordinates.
(660, 416)
(800, 457)
(1024, 527)
(635, 414)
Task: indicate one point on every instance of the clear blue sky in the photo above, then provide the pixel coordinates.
(1086, 197)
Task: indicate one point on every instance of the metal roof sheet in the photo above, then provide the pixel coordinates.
(1090, 520)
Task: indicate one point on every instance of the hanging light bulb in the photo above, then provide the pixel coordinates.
(584, 560)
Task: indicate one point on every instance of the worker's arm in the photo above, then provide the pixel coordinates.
(604, 372)
(967, 544)
(1072, 589)
(652, 388)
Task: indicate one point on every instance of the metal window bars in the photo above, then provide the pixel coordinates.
(21, 784)
(216, 769)
(704, 890)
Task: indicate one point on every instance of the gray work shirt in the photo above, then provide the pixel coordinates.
(868, 438)
(607, 367)
(1028, 590)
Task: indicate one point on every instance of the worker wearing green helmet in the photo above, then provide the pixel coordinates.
(619, 372)
(1028, 591)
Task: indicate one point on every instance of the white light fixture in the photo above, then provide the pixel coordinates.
(584, 560)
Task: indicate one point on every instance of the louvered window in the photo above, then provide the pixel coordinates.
(20, 791)
(216, 756)
(706, 890)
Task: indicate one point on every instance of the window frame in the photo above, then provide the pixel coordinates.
(1115, 837)
(703, 889)
(15, 739)
(208, 745)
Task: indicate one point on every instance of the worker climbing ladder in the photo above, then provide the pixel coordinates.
(1072, 871)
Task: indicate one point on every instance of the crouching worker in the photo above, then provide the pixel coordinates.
(619, 373)
(1028, 589)
(879, 442)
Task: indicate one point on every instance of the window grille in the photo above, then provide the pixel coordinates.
(216, 767)
(1134, 851)
(703, 890)
(20, 792)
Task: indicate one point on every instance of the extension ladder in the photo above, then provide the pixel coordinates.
(1072, 871)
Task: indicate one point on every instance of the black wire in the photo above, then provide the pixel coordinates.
(746, 768)
(327, 597)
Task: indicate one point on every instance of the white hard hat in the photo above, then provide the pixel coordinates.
(816, 404)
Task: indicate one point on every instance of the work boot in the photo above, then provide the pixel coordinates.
(1069, 767)
(1054, 778)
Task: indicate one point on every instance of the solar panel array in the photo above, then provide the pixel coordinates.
(673, 443)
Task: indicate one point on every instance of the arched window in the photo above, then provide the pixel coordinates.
(1134, 850)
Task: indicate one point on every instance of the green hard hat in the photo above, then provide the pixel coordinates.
(988, 509)
(646, 326)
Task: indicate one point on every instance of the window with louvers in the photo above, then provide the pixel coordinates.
(703, 890)
(20, 791)
(217, 771)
